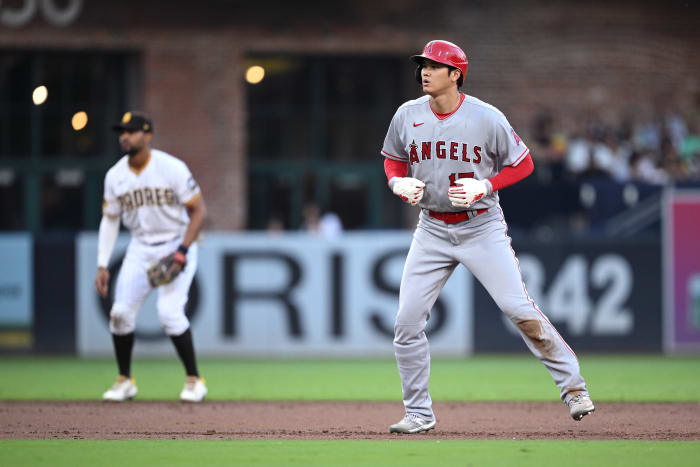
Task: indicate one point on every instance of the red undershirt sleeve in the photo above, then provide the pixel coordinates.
(506, 177)
(394, 168)
(512, 175)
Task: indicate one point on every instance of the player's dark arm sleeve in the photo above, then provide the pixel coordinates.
(512, 175)
(394, 168)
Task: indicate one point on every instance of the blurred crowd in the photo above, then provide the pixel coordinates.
(659, 147)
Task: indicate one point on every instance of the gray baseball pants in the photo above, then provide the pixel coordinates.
(483, 246)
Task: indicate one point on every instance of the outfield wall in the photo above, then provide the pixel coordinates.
(300, 295)
(292, 295)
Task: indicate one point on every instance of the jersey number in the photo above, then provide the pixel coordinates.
(455, 176)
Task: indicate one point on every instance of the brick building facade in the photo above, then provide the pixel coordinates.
(570, 57)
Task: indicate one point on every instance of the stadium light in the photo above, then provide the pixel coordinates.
(255, 74)
(40, 94)
(79, 120)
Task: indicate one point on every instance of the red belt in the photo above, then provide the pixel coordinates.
(456, 217)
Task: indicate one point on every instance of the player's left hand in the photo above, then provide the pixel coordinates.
(102, 281)
(167, 269)
(466, 191)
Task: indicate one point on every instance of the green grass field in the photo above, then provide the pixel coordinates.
(483, 378)
(59, 453)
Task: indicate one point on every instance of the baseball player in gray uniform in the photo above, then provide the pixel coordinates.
(460, 151)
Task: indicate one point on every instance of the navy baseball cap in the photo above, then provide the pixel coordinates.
(134, 121)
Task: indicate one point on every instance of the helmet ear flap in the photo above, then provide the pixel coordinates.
(419, 78)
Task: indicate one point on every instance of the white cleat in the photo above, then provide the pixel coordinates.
(194, 392)
(412, 423)
(580, 405)
(123, 389)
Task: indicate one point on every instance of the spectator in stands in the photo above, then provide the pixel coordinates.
(643, 169)
(327, 225)
(275, 225)
(690, 151)
(656, 147)
(621, 150)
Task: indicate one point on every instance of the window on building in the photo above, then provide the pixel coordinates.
(316, 125)
(56, 110)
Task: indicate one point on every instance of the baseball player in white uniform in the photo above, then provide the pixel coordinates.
(460, 151)
(160, 203)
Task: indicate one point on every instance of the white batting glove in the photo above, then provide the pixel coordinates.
(467, 191)
(408, 189)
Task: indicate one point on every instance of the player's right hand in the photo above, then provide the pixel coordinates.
(102, 281)
(408, 189)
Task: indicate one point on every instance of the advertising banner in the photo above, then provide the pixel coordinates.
(601, 295)
(682, 271)
(283, 296)
(16, 280)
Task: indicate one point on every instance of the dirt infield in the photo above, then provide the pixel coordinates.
(342, 420)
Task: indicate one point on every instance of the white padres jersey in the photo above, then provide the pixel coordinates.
(151, 201)
(475, 140)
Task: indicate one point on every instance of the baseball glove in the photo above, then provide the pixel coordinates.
(166, 269)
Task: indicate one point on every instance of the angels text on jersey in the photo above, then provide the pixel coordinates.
(452, 150)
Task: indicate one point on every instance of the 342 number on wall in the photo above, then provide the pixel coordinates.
(567, 297)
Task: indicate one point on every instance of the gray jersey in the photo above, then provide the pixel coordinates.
(475, 140)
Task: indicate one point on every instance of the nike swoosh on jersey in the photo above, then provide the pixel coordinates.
(417, 124)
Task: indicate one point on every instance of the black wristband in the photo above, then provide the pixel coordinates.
(182, 249)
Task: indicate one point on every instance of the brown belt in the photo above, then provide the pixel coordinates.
(456, 217)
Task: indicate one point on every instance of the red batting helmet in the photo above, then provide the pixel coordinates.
(443, 52)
